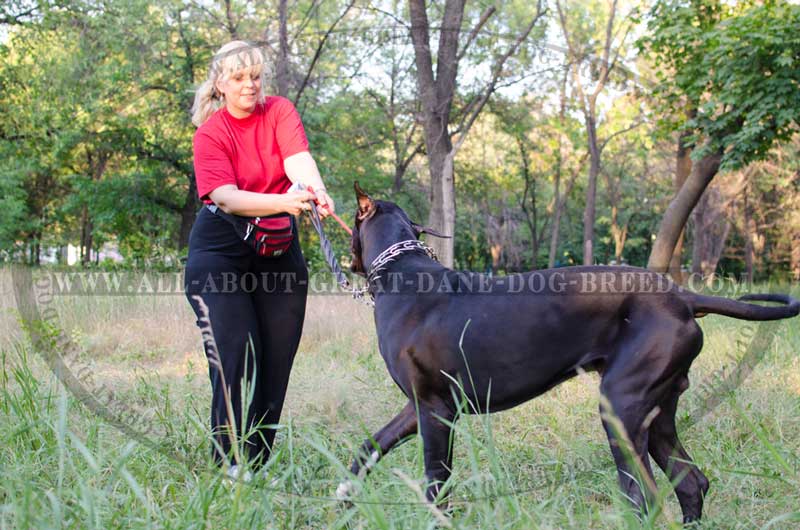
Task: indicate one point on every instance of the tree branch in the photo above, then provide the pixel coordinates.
(446, 63)
(604, 68)
(152, 152)
(422, 53)
(399, 21)
(15, 19)
(417, 150)
(282, 64)
(498, 68)
(318, 51)
(230, 24)
(207, 11)
(617, 133)
(474, 33)
(306, 19)
(562, 19)
(618, 51)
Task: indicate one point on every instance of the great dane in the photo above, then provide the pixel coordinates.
(527, 333)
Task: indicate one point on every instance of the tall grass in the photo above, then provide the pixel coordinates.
(545, 464)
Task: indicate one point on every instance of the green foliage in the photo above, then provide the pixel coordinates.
(96, 138)
(737, 66)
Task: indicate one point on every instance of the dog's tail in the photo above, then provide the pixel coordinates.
(703, 304)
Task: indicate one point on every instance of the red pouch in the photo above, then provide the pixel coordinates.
(270, 236)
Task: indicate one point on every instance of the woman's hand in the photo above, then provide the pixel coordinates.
(325, 205)
(296, 202)
(301, 168)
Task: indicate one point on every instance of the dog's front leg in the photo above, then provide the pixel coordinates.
(435, 426)
(374, 448)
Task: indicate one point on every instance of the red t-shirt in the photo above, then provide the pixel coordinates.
(248, 152)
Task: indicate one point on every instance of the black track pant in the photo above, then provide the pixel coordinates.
(256, 307)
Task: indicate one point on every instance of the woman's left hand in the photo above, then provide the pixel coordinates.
(325, 203)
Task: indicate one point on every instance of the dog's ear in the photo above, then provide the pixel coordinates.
(357, 263)
(419, 229)
(366, 206)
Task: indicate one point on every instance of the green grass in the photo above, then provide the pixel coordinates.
(545, 464)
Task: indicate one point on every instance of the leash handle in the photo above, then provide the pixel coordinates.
(325, 244)
(332, 214)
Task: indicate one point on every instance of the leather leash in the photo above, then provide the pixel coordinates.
(330, 256)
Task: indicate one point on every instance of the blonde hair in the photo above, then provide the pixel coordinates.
(232, 57)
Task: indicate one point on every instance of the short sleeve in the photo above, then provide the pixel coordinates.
(289, 131)
(212, 164)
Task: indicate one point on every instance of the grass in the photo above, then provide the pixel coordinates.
(545, 464)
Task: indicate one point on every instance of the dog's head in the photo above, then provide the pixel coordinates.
(380, 224)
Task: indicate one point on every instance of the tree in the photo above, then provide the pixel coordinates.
(581, 46)
(711, 223)
(740, 73)
(559, 198)
(436, 93)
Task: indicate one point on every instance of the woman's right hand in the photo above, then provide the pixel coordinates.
(296, 202)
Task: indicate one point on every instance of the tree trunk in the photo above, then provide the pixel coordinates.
(443, 204)
(534, 227)
(589, 109)
(683, 168)
(495, 238)
(679, 209)
(795, 255)
(749, 234)
(36, 249)
(282, 64)
(711, 229)
(230, 22)
(591, 188)
(188, 214)
(619, 233)
(97, 162)
(532, 214)
(397, 181)
(436, 95)
(551, 257)
(558, 204)
(86, 237)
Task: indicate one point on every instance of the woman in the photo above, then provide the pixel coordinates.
(248, 150)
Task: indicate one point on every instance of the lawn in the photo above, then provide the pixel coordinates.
(545, 464)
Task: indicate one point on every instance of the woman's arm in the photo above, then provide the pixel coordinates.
(301, 167)
(232, 200)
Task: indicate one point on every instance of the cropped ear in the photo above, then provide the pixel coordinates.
(419, 229)
(357, 263)
(366, 206)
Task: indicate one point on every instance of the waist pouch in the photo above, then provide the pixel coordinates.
(269, 236)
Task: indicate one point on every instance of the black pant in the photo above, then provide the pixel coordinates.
(256, 307)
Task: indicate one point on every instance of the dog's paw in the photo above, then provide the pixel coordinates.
(345, 491)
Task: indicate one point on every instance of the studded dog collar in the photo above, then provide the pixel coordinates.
(389, 255)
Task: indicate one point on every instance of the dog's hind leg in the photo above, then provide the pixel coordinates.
(689, 482)
(627, 404)
(375, 447)
(628, 442)
(435, 427)
(643, 373)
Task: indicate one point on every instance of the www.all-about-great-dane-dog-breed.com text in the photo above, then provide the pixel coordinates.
(633, 326)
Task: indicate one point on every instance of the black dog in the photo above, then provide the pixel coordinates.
(527, 334)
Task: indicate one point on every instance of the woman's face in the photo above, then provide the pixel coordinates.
(241, 91)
